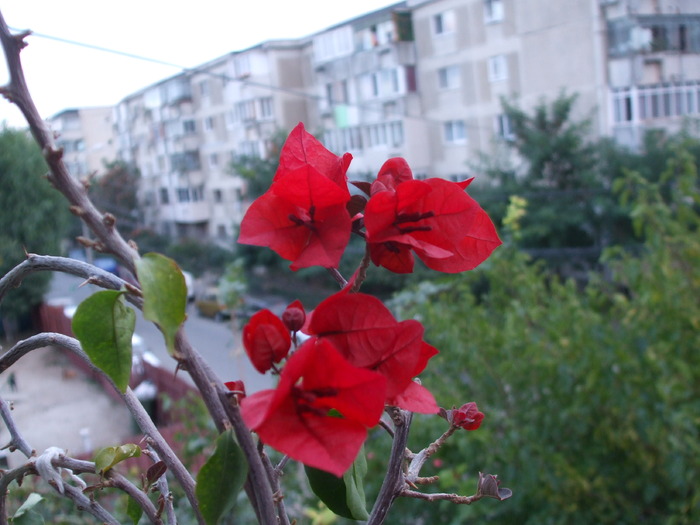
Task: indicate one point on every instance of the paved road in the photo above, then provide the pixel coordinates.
(215, 341)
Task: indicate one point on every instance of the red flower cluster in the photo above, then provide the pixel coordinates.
(359, 357)
(320, 411)
(368, 336)
(435, 218)
(303, 216)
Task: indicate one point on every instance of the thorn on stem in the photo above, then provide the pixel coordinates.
(76, 210)
(109, 220)
(53, 154)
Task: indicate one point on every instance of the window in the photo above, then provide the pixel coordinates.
(218, 196)
(504, 127)
(164, 196)
(448, 77)
(493, 11)
(204, 89)
(188, 127)
(213, 160)
(266, 111)
(183, 195)
(209, 124)
(444, 23)
(241, 65)
(185, 161)
(455, 132)
(245, 111)
(498, 68)
(221, 231)
(197, 193)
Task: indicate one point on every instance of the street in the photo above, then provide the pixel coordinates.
(215, 341)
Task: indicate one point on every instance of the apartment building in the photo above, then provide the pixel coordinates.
(632, 63)
(85, 135)
(421, 79)
(184, 132)
(362, 76)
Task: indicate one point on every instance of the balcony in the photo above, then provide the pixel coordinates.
(191, 212)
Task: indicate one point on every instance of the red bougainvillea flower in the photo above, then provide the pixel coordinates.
(294, 316)
(367, 335)
(467, 416)
(434, 218)
(266, 340)
(320, 411)
(303, 215)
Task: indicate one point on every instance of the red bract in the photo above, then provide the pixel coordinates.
(367, 335)
(301, 416)
(294, 316)
(303, 216)
(266, 340)
(435, 218)
(467, 416)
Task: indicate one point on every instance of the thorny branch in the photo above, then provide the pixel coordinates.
(110, 240)
(262, 485)
(142, 418)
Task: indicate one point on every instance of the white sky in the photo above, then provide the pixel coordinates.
(62, 76)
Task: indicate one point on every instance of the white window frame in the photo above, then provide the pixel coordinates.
(455, 132)
(493, 11)
(498, 68)
(504, 127)
(448, 77)
(443, 23)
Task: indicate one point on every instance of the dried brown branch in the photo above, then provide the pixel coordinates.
(133, 404)
(394, 482)
(17, 442)
(108, 239)
(76, 194)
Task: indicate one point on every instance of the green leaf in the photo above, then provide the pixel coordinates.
(355, 488)
(107, 457)
(221, 478)
(133, 510)
(26, 515)
(104, 326)
(344, 496)
(164, 294)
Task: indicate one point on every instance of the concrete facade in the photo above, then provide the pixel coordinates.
(87, 139)
(421, 79)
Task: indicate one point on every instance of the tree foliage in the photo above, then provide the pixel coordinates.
(115, 192)
(568, 199)
(591, 396)
(33, 216)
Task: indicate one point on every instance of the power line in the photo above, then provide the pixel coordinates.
(223, 76)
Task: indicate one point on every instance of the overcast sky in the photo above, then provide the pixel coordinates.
(62, 76)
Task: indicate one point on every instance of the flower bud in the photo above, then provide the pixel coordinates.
(294, 316)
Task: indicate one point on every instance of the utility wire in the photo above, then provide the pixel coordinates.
(199, 69)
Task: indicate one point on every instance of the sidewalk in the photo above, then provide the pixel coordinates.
(56, 405)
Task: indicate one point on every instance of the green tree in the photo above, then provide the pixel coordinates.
(568, 198)
(116, 192)
(33, 217)
(592, 396)
(259, 171)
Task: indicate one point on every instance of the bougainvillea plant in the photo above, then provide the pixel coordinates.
(357, 358)
(342, 369)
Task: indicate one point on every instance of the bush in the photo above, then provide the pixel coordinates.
(591, 396)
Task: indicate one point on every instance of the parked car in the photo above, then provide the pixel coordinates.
(209, 305)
